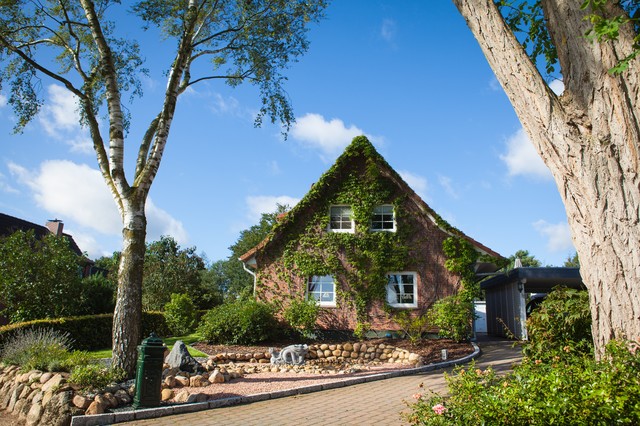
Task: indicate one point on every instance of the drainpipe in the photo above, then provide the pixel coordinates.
(244, 266)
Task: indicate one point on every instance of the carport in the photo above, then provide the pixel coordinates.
(506, 296)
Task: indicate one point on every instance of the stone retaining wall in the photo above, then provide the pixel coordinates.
(357, 353)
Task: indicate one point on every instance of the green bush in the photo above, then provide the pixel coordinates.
(88, 332)
(97, 295)
(413, 326)
(37, 349)
(180, 314)
(453, 316)
(95, 376)
(302, 315)
(562, 321)
(242, 322)
(570, 389)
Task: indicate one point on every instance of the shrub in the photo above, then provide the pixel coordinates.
(95, 376)
(88, 332)
(562, 320)
(240, 322)
(569, 389)
(302, 315)
(180, 314)
(97, 295)
(37, 349)
(413, 326)
(453, 315)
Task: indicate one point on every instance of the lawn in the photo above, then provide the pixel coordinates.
(169, 341)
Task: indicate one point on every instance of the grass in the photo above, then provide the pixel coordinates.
(169, 341)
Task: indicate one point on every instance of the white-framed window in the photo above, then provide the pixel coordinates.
(341, 219)
(383, 218)
(323, 289)
(402, 289)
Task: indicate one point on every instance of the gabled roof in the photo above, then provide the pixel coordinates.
(359, 147)
(10, 224)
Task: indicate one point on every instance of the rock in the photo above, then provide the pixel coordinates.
(347, 347)
(81, 402)
(182, 381)
(216, 377)
(166, 394)
(34, 414)
(111, 400)
(182, 396)
(123, 397)
(197, 397)
(180, 357)
(96, 408)
(59, 410)
(45, 377)
(170, 381)
(198, 381)
(53, 382)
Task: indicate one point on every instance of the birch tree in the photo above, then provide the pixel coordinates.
(77, 44)
(589, 137)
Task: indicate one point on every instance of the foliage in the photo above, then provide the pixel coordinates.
(561, 323)
(36, 349)
(453, 316)
(572, 261)
(526, 19)
(39, 277)
(568, 389)
(170, 269)
(241, 322)
(414, 326)
(180, 314)
(301, 315)
(88, 332)
(97, 295)
(228, 276)
(527, 260)
(95, 376)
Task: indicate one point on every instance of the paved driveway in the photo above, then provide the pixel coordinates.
(379, 402)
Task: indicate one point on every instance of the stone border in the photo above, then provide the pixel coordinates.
(150, 413)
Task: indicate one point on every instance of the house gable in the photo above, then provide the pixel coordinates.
(301, 245)
(10, 224)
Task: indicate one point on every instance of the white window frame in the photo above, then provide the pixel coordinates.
(353, 224)
(391, 292)
(393, 218)
(322, 280)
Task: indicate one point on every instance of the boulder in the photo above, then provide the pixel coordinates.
(179, 357)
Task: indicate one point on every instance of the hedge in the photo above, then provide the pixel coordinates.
(89, 332)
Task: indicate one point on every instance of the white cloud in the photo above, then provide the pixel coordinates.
(259, 204)
(228, 105)
(3, 100)
(60, 119)
(447, 184)
(558, 235)
(274, 168)
(388, 30)
(521, 157)
(78, 193)
(417, 183)
(557, 86)
(6, 187)
(330, 137)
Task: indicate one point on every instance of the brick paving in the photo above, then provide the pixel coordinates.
(378, 402)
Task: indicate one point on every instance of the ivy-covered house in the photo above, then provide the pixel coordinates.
(364, 245)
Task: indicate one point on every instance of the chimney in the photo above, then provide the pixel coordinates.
(55, 226)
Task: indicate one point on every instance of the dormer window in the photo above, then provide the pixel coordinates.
(383, 218)
(341, 219)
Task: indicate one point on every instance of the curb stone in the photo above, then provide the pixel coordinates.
(150, 413)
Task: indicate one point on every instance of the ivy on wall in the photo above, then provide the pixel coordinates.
(361, 260)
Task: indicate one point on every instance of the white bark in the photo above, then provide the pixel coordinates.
(590, 140)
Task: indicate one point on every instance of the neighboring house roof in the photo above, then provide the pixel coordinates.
(537, 280)
(10, 224)
(327, 183)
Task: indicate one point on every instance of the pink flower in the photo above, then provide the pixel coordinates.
(439, 409)
(417, 395)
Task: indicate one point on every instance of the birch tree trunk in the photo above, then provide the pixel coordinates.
(589, 137)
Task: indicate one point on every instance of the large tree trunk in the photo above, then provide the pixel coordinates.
(127, 317)
(590, 139)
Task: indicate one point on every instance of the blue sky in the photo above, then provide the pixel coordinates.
(408, 74)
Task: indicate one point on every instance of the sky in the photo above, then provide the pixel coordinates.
(409, 75)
